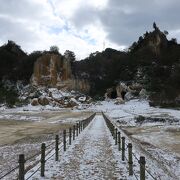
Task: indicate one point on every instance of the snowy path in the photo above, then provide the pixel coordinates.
(91, 156)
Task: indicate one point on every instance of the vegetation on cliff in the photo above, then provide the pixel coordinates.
(153, 61)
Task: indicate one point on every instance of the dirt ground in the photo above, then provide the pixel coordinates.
(166, 138)
(13, 131)
(26, 136)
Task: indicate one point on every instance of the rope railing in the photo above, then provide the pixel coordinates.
(67, 135)
(33, 156)
(9, 172)
(50, 144)
(33, 173)
(114, 131)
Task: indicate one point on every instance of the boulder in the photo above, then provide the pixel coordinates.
(43, 101)
(72, 102)
(119, 101)
(82, 99)
(35, 102)
(121, 89)
(143, 94)
(128, 96)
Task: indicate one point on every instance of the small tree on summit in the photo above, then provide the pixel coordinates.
(155, 26)
(70, 55)
(54, 49)
(166, 32)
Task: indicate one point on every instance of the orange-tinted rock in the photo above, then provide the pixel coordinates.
(50, 69)
(55, 71)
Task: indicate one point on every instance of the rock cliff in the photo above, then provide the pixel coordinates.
(54, 70)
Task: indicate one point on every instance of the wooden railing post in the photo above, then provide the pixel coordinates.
(113, 128)
(70, 135)
(119, 141)
(74, 130)
(21, 166)
(142, 163)
(64, 139)
(130, 160)
(79, 124)
(57, 148)
(115, 136)
(77, 129)
(123, 148)
(43, 149)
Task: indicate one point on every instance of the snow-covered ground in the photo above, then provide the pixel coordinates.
(155, 132)
(92, 156)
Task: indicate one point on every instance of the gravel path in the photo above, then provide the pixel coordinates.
(91, 156)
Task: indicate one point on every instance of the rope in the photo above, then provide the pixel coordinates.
(50, 144)
(109, 122)
(135, 175)
(34, 173)
(9, 172)
(49, 151)
(150, 173)
(31, 157)
(50, 156)
(135, 156)
(133, 170)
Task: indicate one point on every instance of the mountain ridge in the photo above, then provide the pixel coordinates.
(153, 61)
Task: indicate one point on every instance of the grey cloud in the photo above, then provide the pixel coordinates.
(84, 15)
(21, 9)
(125, 20)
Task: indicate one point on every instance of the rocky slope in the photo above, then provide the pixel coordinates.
(54, 70)
(152, 61)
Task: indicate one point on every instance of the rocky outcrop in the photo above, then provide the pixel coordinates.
(156, 41)
(50, 69)
(57, 98)
(123, 92)
(53, 70)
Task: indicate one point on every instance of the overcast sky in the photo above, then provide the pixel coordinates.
(84, 26)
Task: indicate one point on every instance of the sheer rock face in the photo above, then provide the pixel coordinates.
(55, 71)
(157, 41)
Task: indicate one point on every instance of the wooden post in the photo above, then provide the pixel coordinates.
(74, 130)
(113, 129)
(142, 163)
(57, 148)
(115, 136)
(79, 126)
(123, 148)
(70, 135)
(21, 166)
(119, 141)
(64, 139)
(43, 149)
(77, 129)
(130, 161)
